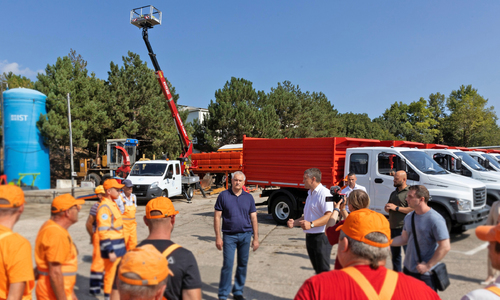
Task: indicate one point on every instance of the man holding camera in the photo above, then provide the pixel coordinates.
(316, 214)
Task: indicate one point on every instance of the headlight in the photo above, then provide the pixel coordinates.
(463, 205)
(154, 185)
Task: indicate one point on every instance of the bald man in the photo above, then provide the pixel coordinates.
(397, 207)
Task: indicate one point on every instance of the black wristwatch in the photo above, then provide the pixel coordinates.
(397, 208)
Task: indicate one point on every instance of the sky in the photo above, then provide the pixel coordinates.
(363, 55)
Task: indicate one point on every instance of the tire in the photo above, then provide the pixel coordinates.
(282, 210)
(445, 215)
(490, 200)
(190, 193)
(164, 193)
(96, 179)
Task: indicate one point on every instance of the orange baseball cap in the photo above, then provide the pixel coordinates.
(13, 194)
(65, 202)
(112, 183)
(363, 221)
(145, 262)
(100, 190)
(488, 233)
(162, 204)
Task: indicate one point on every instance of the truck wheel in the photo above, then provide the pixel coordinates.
(490, 200)
(190, 192)
(282, 210)
(445, 215)
(164, 193)
(96, 179)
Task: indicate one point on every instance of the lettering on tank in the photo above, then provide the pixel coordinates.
(19, 117)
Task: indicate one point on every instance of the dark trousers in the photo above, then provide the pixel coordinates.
(396, 251)
(319, 251)
(427, 279)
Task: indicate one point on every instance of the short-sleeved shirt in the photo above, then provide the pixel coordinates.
(316, 207)
(431, 228)
(119, 202)
(347, 190)
(398, 198)
(129, 201)
(184, 266)
(15, 262)
(339, 285)
(483, 294)
(236, 211)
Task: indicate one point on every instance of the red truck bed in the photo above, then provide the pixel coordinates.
(282, 162)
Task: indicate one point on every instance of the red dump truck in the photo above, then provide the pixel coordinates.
(278, 166)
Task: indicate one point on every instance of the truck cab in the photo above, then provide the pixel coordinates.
(486, 160)
(155, 178)
(460, 200)
(460, 162)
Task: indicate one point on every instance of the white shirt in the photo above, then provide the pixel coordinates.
(119, 202)
(316, 207)
(483, 294)
(129, 201)
(347, 190)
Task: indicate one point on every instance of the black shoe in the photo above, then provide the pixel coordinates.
(238, 297)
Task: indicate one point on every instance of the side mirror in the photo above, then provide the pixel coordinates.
(487, 163)
(413, 176)
(458, 164)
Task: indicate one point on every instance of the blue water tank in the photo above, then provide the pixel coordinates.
(24, 151)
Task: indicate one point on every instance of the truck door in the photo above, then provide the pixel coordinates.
(177, 182)
(387, 164)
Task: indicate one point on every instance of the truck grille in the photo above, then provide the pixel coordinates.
(141, 188)
(479, 196)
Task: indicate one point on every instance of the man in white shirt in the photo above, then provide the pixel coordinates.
(351, 185)
(316, 214)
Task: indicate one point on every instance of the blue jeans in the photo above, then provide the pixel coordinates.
(427, 279)
(231, 242)
(396, 251)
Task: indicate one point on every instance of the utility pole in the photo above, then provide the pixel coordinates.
(71, 151)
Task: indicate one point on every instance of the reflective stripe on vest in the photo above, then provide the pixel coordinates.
(170, 249)
(391, 279)
(494, 289)
(102, 228)
(70, 264)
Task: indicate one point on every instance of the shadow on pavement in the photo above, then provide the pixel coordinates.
(464, 278)
(457, 237)
(210, 239)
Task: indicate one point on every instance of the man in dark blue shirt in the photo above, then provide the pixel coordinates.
(239, 219)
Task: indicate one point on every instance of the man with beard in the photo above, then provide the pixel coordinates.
(397, 207)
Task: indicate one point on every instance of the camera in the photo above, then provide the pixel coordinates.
(336, 196)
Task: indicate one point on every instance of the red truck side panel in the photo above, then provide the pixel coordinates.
(282, 162)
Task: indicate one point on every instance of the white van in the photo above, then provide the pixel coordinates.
(155, 178)
(460, 200)
(460, 162)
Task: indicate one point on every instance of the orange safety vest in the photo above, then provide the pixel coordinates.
(69, 270)
(494, 289)
(130, 210)
(29, 285)
(110, 227)
(388, 287)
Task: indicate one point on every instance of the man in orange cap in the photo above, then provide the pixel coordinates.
(142, 274)
(490, 234)
(109, 226)
(160, 219)
(55, 252)
(97, 267)
(16, 266)
(363, 249)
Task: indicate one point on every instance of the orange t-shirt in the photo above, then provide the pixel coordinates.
(15, 263)
(54, 244)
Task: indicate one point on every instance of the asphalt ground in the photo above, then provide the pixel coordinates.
(276, 270)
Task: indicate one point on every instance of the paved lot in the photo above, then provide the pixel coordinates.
(276, 270)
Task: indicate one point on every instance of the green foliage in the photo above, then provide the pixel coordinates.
(138, 109)
(17, 81)
(470, 122)
(361, 126)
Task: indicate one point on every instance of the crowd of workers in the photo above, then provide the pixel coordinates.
(158, 268)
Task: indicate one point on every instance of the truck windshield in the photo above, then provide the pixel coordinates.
(148, 169)
(492, 160)
(423, 162)
(469, 161)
